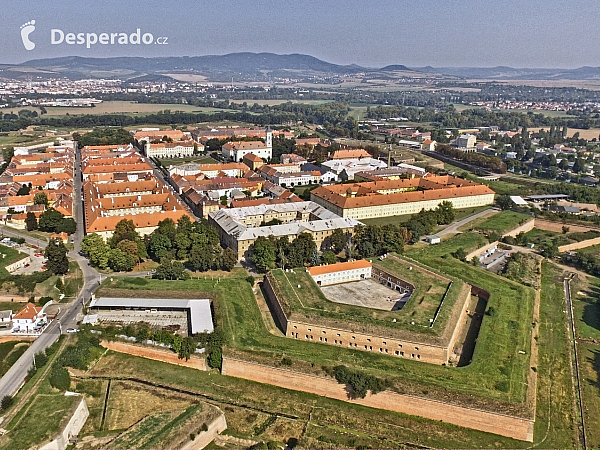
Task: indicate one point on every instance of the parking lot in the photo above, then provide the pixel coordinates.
(36, 261)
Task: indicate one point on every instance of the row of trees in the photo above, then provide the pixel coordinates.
(367, 241)
(52, 221)
(173, 245)
(492, 163)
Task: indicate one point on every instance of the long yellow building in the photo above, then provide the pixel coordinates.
(398, 197)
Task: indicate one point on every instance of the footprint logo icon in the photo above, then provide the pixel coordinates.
(26, 30)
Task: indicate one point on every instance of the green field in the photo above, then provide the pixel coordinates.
(499, 223)
(555, 421)
(589, 364)
(8, 255)
(10, 352)
(40, 419)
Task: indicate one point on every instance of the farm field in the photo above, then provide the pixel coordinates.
(119, 107)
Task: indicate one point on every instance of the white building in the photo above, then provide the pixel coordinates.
(346, 168)
(171, 149)
(235, 151)
(341, 272)
(29, 319)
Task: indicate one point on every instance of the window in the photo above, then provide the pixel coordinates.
(412, 356)
(416, 348)
(384, 343)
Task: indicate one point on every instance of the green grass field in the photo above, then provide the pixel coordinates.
(40, 419)
(554, 424)
(589, 364)
(10, 353)
(500, 223)
(8, 255)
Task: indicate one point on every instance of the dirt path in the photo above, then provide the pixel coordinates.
(158, 355)
(500, 424)
(557, 226)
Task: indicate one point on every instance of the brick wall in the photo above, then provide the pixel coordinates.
(490, 422)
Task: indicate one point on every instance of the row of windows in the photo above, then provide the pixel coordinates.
(366, 347)
(339, 335)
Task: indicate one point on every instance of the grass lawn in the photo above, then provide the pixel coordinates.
(500, 223)
(497, 373)
(8, 255)
(586, 306)
(317, 421)
(589, 363)
(555, 421)
(45, 413)
(10, 352)
(13, 306)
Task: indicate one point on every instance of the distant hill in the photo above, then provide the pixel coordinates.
(260, 66)
(511, 73)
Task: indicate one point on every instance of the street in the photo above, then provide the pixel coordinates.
(15, 377)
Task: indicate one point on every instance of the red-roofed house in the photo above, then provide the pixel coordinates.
(28, 318)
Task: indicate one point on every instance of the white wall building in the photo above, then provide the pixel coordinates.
(172, 149)
(235, 151)
(341, 272)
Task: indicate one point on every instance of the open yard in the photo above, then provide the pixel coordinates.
(10, 352)
(8, 255)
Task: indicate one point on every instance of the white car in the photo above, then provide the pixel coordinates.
(71, 330)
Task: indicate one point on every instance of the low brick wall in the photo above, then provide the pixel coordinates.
(489, 422)
(578, 245)
(156, 354)
(481, 250)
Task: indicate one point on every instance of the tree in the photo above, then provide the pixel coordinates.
(201, 257)
(565, 229)
(129, 248)
(6, 402)
(328, 257)
(170, 270)
(31, 222)
(445, 212)
(59, 378)
(24, 190)
(338, 240)
(229, 259)
(549, 249)
(579, 165)
(301, 250)
(68, 225)
(504, 202)
(96, 249)
(159, 246)
(125, 229)
(263, 254)
(120, 261)
(56, 257)
(187, 349)
(50, 220)
(460, 254)
(40, 198)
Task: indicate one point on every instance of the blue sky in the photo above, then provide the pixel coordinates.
(374, 33)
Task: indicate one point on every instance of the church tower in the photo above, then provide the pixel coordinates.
(269, 138)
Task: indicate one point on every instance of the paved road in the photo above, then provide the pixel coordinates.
(454, 226)
(67, 318)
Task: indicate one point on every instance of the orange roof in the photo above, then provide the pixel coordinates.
(353, 153)
(252, 157)
(428, 141)
(339, 267)
(244, 145)
(359, 195)
(28, 312)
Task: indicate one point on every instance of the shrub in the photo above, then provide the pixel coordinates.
(43, 300)
(59, 378)
(250, 279)
(6, 402)
(286, 361)
(204, 427)
(214, 359)
(192, 436)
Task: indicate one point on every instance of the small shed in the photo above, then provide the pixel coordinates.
(433, 239)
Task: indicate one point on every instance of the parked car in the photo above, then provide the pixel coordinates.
(71, 330)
